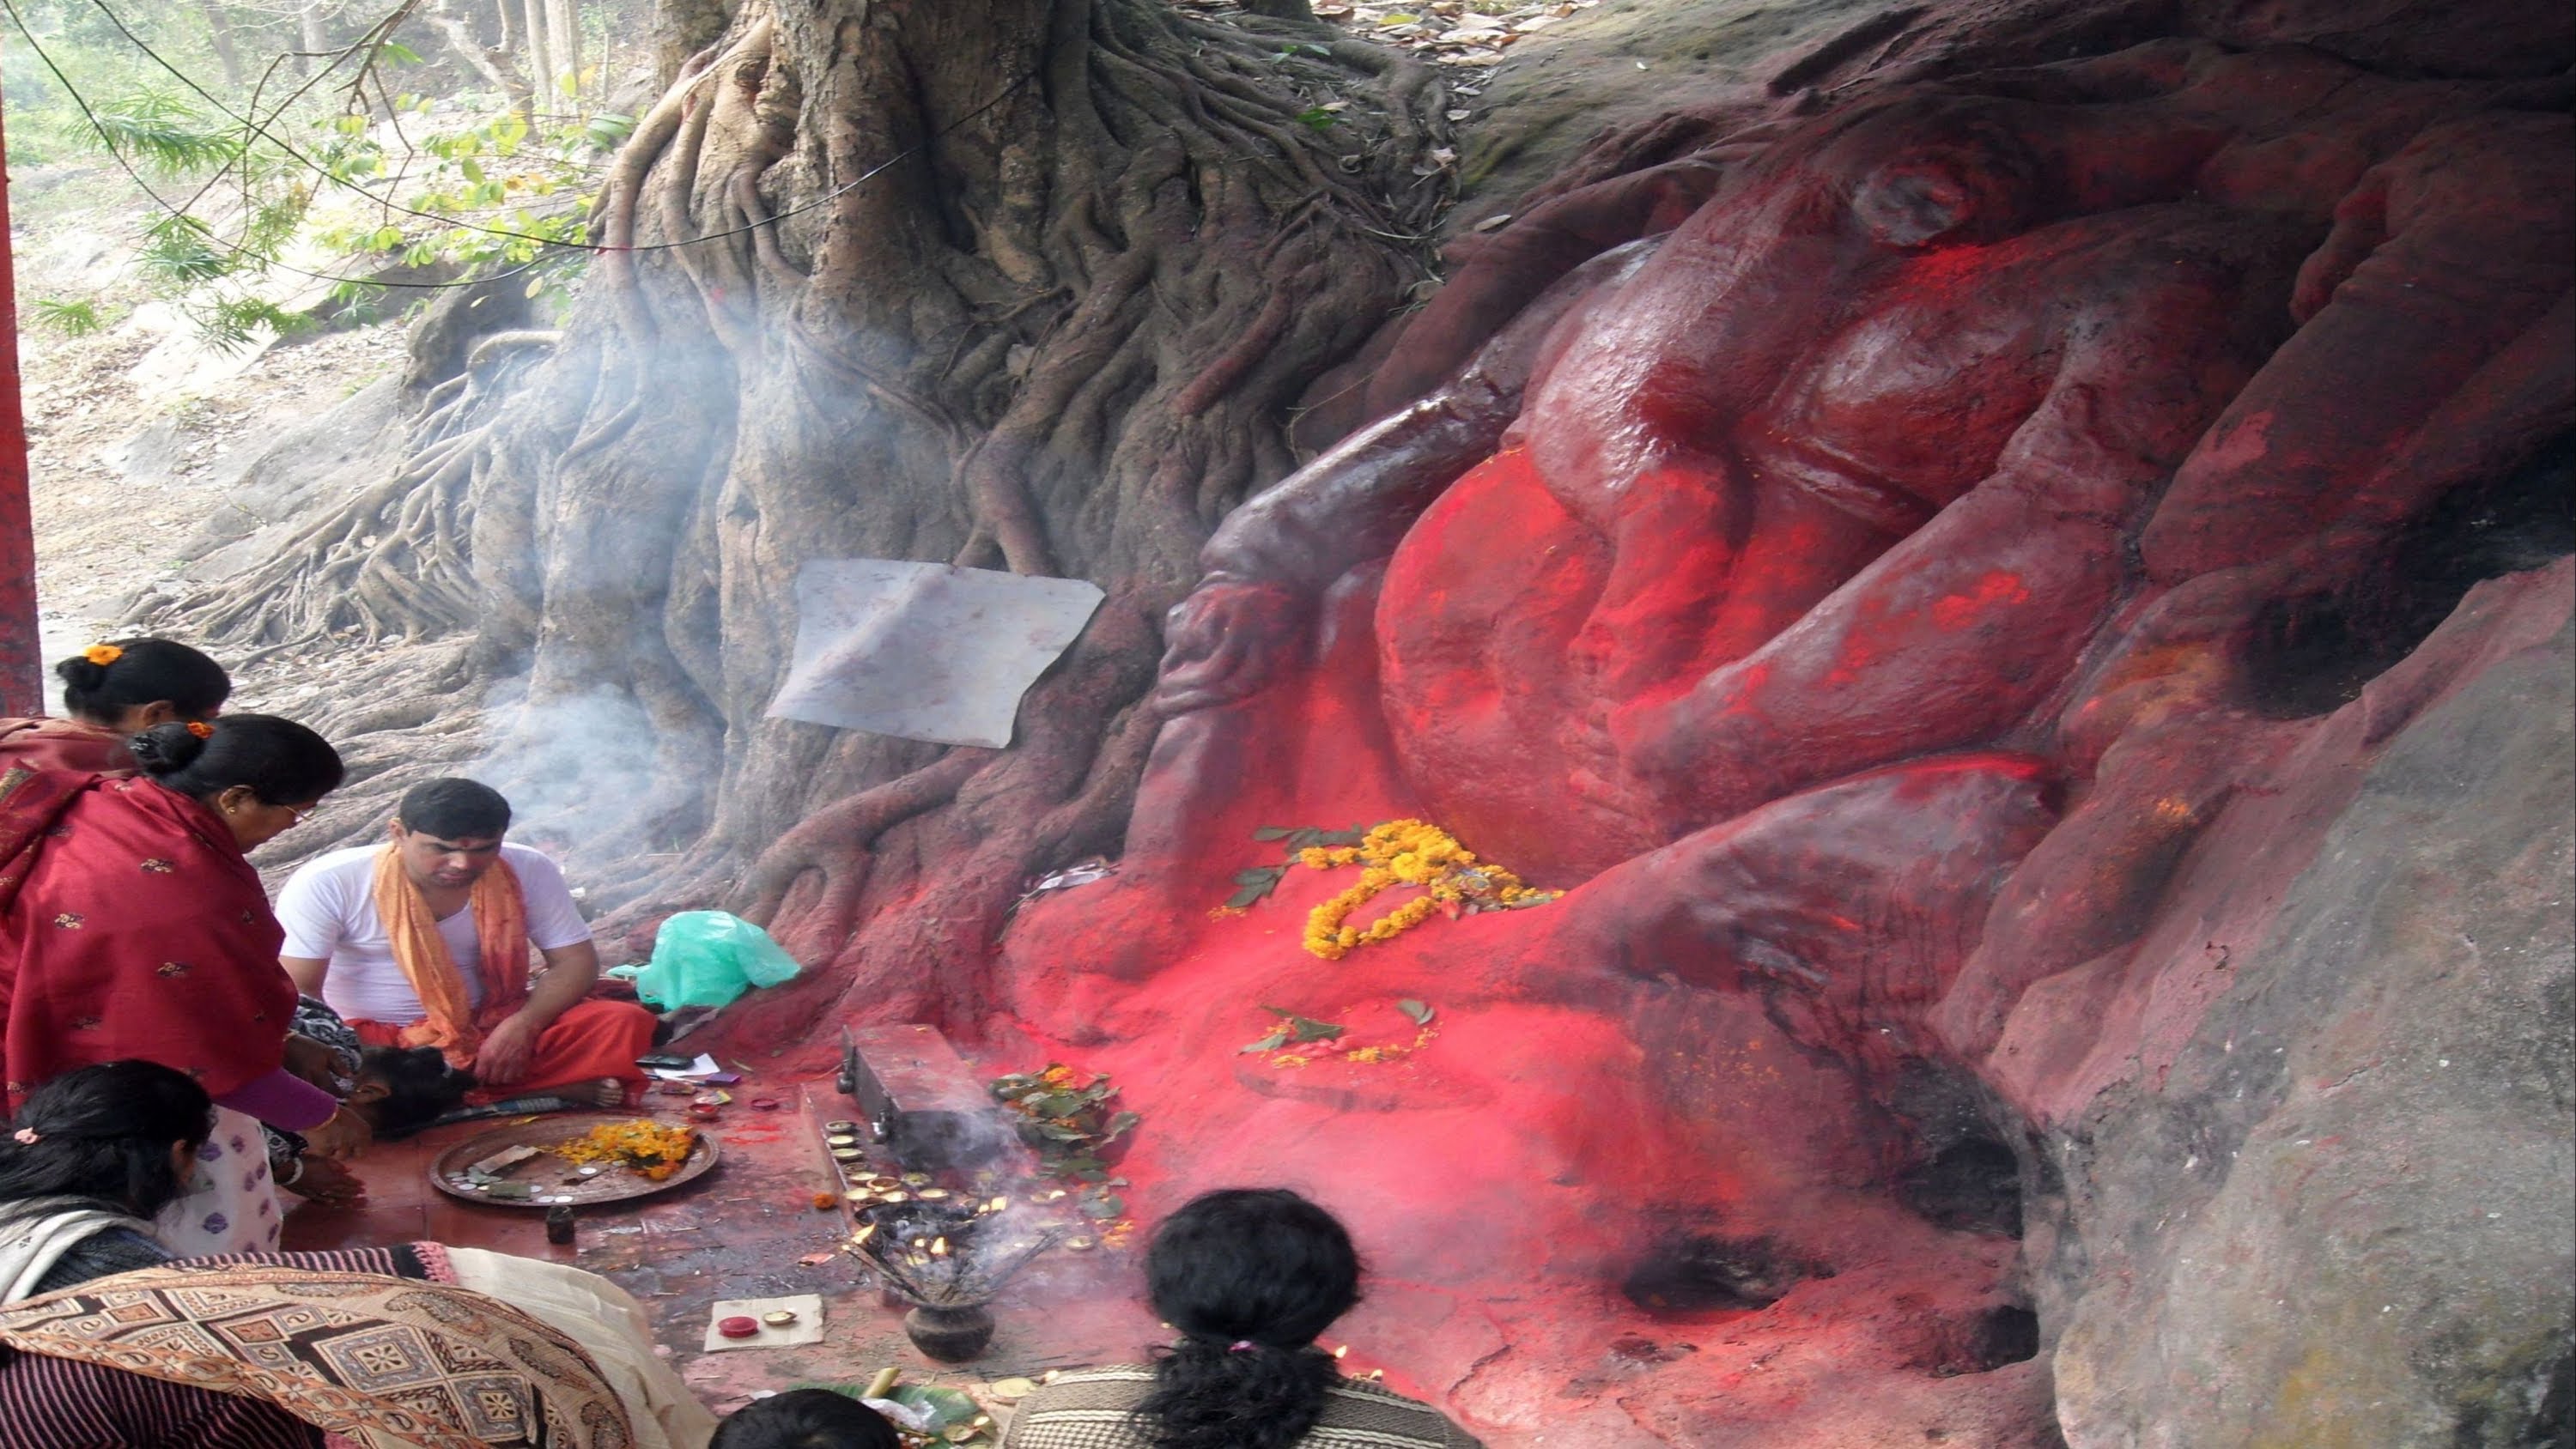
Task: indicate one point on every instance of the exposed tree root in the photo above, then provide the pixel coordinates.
(1105, 249)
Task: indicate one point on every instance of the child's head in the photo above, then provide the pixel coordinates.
(805, 1419)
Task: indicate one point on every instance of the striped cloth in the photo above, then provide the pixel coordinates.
(1095, 1408)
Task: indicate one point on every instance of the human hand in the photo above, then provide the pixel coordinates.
(1225, 641)
(345, 1135)
(328, 1183)
(506, 1053)
(323, 1065)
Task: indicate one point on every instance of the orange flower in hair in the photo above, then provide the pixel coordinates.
(201, 729)
(102, 655)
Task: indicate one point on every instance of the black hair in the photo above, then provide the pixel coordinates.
(281, 761)
(1249, 1277)
(453, 808)
(420, 1087)
(104, 1132)
(145, 671)
(805, 1419)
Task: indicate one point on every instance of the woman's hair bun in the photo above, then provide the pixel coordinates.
(80, 674)
(166, 749)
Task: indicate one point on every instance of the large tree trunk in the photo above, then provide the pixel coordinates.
(1102, 248)
(492, 62)
(537, 46)
(563, 43)
(219, 33)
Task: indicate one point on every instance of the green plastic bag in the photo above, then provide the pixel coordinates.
(707, 958)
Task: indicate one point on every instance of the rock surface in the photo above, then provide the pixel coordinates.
(2339, 1214)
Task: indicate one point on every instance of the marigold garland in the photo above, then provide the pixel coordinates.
(1407, 853)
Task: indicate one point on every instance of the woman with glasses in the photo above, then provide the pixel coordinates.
(132, 925)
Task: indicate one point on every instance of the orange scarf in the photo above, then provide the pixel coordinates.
(500, 929)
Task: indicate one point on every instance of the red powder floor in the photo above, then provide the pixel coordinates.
(739, 1232)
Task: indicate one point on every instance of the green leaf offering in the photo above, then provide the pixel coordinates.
(1304, 1028)
(1420, 1012)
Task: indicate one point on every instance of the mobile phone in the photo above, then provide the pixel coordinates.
(663, 1062)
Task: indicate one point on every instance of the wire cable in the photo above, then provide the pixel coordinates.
(388, 203)
(264, 133)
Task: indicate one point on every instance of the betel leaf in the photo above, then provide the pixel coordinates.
(1303, 1028)
(1270, 1043)
(1253, 884)
(1120, 1124)
(1420, 1012)
(1274, 832)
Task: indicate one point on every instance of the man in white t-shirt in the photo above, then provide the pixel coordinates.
(424, 941)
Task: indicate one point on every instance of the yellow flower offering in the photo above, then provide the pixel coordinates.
(1406, 853)
(652, 1150)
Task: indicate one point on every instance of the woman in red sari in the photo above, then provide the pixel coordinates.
(110, 693)
(132, 926)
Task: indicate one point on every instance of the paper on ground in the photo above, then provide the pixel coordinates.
(925, 651)
(808, 1327)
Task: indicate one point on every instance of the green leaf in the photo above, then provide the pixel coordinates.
(1104, 1208)
(1317, 118)
(946, 1406)
(1251, 885)
(1420, 1013)
(1270, 1043)
(1120, 1125)
(472, 168)
(1303, 1028)
(1274, 832)
(398, 53)
(72, 319)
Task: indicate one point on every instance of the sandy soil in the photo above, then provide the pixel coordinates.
(135, 433)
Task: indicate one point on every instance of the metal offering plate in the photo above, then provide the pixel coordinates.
(550, 1180)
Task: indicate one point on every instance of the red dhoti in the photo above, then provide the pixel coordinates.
(594, 1040)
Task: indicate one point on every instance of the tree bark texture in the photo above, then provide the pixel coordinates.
(219, 33)
(563, 42)
(1103, 247)
(537, 43)
(493, 63)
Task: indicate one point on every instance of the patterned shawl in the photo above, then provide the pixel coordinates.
(131, 926)
(386, 1362)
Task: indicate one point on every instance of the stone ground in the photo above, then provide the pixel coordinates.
(743, 1231)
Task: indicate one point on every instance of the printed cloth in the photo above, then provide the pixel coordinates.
(231, 1203)
(63, 744)
(132, 926)
(381, 1361)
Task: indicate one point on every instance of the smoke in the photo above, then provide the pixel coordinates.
(579, 770)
